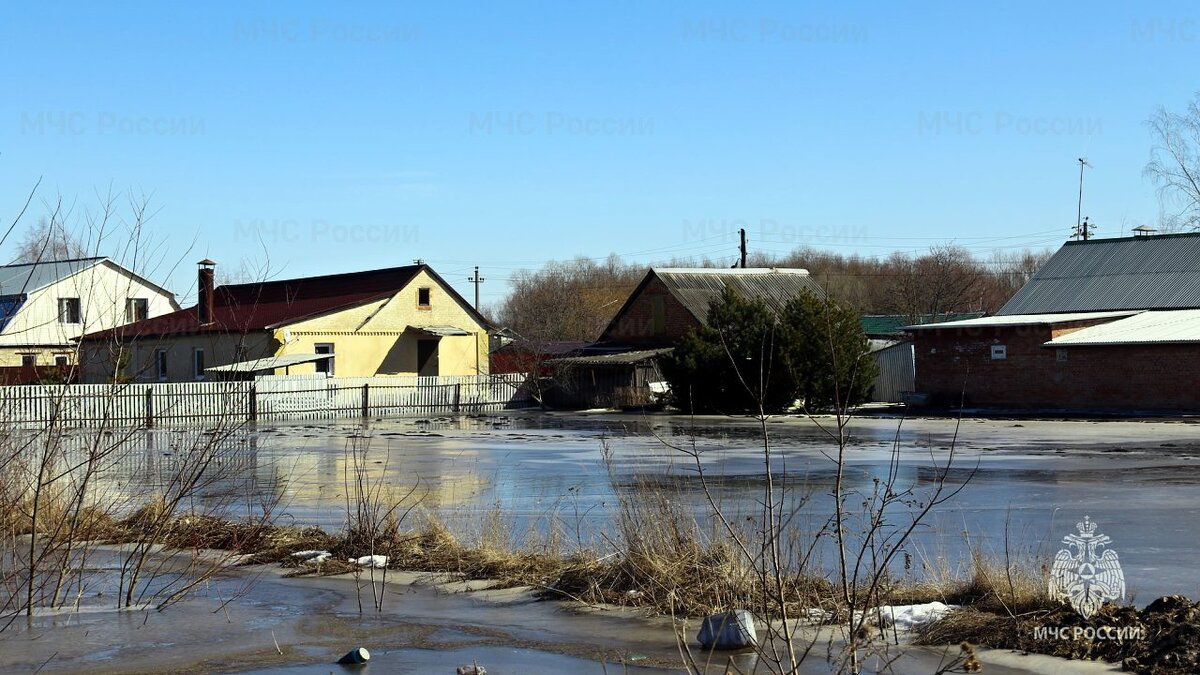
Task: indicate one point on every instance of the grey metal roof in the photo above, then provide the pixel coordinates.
(27, 278)
(440, 331)
(1155, 327)
(1144, 272)
(1023, 320)
(614, 359)
(696, 288)
(269, 363)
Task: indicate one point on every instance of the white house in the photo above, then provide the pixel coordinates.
(45, 306)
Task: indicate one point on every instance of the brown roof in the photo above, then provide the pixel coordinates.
(242, 308)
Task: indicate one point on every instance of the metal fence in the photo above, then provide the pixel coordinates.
(267, 398)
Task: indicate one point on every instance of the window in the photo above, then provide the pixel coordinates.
(423, 298)
(68, 310)
(198, 363)
(137, 309)
(28, 360)
(1060, 354)
(160, 364)
(61, 362)
(324, 365)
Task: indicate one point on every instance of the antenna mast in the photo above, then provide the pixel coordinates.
(1081, 224)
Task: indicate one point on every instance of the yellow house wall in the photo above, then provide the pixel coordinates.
(11, 356)
(371, 339)
(100, 358)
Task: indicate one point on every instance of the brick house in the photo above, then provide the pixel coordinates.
(1105, 325)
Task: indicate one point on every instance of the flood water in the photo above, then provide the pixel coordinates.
(1024, 486)
(1027, 483)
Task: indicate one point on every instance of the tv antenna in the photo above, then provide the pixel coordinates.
(1081, 224)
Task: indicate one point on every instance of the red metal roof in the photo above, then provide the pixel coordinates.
(241, 308)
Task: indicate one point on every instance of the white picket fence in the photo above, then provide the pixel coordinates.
(267, 398)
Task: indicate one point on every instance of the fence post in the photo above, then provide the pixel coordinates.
(457, 396)
(253, 403)
(366, 403)
(149, 406)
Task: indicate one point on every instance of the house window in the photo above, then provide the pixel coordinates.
(198, 363)
(423, 298)
(1060, 354)
(69, 310)
(160, 364)
(324, 365)
(61, 362)
(28, 360)
(137, 309)
(999, 352)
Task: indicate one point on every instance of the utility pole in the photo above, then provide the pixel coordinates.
(476, 279)
(742, 232)
(1080, 229)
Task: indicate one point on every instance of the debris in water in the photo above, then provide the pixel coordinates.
(355, 656)
(730, 630)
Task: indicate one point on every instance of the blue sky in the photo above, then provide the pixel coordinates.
(507, 134)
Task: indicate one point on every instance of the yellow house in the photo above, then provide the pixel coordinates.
(403, 321)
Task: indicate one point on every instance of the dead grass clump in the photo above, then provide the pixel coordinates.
(1002, 587)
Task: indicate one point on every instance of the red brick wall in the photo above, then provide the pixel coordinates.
(951, 363)
(636, 326)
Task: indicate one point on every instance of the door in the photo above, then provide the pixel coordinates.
(427, 358)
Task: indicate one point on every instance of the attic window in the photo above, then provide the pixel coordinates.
(69, 310)
(137, 309)
(423, 298)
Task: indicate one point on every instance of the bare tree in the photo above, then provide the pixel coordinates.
(571, 300)
(947, 279)
(49, 239)
(1175, 165)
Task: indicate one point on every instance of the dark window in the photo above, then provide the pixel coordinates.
(324, 365)
(68, 310)
(160, 364)
(61, 362)
(28, 360)
(137, 309)
(422, 297)
(198, 363)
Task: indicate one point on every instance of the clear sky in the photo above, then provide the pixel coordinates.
(507, 134)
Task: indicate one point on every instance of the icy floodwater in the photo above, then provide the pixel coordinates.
(1030, 481)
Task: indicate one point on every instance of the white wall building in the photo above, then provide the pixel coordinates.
(44, 306)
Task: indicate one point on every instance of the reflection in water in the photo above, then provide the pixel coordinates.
(543, 469)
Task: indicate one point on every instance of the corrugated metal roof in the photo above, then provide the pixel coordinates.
(1022, 320)
(1146, 272)
(440, 331)
(617, 359)
(269, 363)
(890, 324)
(1153, 327)
(696, 288)
(27, 278)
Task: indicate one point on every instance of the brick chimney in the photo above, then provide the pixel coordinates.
(204, 307)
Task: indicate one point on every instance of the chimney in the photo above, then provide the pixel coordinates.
(204, 307)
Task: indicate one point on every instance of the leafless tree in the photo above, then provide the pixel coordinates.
(571, 300)
(49, 239)
(1175, 165)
